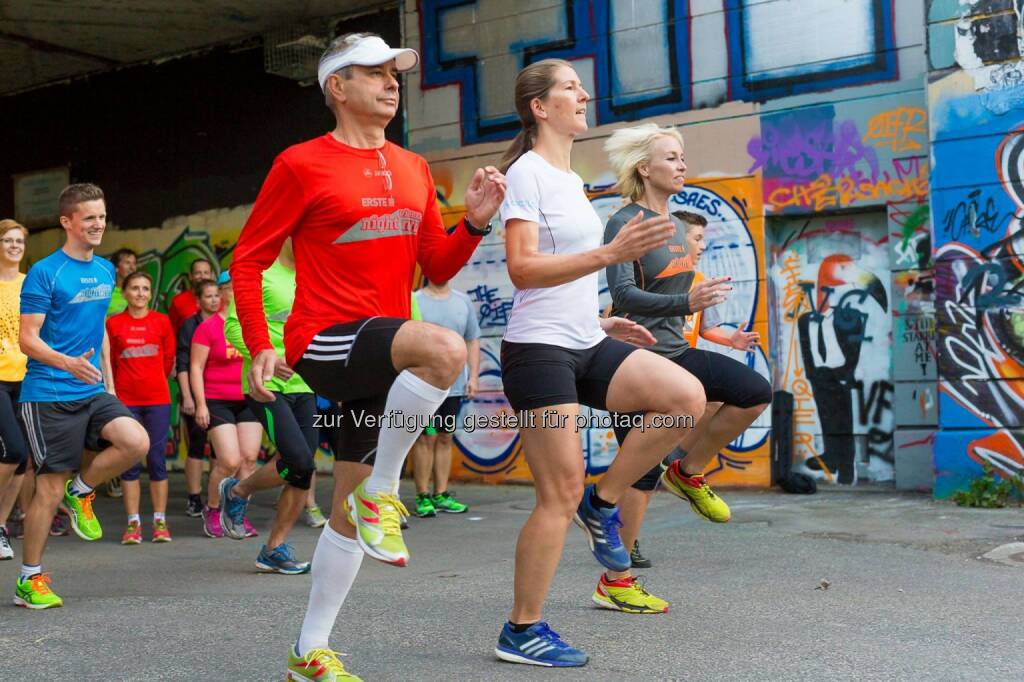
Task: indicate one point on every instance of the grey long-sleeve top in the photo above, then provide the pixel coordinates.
(653, 291)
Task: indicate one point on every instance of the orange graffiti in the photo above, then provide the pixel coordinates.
(896, 129)
(829, 192)
(793, 294)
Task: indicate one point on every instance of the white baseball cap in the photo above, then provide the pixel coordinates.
(369, 51)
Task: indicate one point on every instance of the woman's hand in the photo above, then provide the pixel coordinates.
(626, 330)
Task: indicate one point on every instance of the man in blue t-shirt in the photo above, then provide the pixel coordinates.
(432, 453)
(64, 404)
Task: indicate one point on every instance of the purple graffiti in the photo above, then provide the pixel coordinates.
(803, 145)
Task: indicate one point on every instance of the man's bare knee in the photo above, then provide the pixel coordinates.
(448, 355)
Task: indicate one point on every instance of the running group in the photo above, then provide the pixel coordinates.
(317, 307)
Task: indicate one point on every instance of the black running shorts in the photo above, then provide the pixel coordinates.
(537, 375)
(59, 431)
(724, 380)
(350, 363)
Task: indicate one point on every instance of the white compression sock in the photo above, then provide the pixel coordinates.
(336, 562)
(411, 397)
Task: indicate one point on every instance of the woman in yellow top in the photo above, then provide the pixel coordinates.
(13, 450)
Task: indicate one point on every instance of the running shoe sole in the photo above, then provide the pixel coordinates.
(623, 608)
(18, 601)
(513, 657)
(295, 677)
(73, 522)
(268, 568)
(370, 551)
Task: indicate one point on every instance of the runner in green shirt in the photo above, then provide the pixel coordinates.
(288, 421)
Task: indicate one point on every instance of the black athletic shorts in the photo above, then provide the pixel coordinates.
(289, 423)
(445, 419)
(724, 380)
(537, 375)
(229, 412)
(350, 363)
(59, 431)
(13, 449)
(196, 437)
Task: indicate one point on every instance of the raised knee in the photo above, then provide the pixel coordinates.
(451, 354)
(296, 475)
(140, 446)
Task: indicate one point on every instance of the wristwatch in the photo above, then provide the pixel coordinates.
(476, 231)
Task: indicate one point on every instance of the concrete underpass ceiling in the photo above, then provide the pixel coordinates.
(43, 41)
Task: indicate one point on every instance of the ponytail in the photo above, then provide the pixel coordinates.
(522, 143)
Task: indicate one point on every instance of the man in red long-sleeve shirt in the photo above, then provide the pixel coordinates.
(361, 212)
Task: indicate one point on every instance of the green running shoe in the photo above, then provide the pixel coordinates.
(445, 502)
(35, 593)
(79, 510)
(318, 665)
(425, 506)
(378, 521)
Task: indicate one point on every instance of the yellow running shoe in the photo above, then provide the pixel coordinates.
(696, 491)
(318, 665)
(627, 595)
(378, 521)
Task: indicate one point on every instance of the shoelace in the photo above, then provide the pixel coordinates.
(390, 510)
(40, 583)
(639, 586)
(326, 659)
(284, 552)
(545, 632)
(86, 503)
(610, 525)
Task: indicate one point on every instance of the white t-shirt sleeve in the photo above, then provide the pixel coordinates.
(522, 195)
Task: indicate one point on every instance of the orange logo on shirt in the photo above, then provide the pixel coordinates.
(676, 266)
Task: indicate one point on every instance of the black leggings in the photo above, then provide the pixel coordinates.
(289, 423)
(13, 449)
(724, 380)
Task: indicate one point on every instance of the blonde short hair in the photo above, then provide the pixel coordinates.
(6, 225)
(627, 148)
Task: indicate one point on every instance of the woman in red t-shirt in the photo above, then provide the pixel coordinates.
(216, 377)
(142, 357)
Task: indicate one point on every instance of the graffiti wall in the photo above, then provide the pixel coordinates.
(977, 200)
(774, 126)
(831, 340)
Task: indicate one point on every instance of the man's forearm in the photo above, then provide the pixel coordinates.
(37, 349)
(473, 354)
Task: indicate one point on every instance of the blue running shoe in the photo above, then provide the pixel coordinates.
(232, 510)
(537, 645)
(602, 529)
(280, 560)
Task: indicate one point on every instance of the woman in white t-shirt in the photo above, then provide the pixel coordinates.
(557, 354)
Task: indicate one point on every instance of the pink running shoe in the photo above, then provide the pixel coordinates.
(211, 522)
(250, 532)
(133, 535)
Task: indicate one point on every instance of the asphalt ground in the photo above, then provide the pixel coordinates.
(908, 597)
